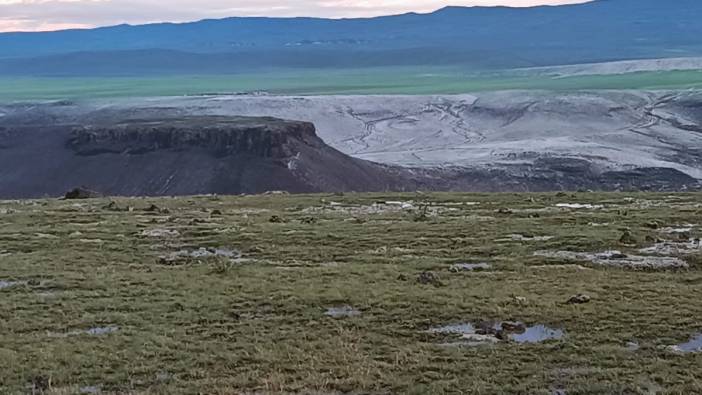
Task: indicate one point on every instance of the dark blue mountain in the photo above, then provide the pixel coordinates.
(475, 37)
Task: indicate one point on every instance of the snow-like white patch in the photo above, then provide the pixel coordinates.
(580, 206)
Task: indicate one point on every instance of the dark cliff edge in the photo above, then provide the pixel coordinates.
(182, 156)
(189, 155)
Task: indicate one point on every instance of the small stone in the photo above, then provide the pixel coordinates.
(153, 209)
(112, 206)
(308, 220)
(82, 193)
(632, 346)
(429, 278)
(216, 213)
(652, 225)
(579, 299)
(520, 300)
(275, 219)
(628, 238)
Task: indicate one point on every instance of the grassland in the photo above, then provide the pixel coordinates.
(258, 325)
(400, 80)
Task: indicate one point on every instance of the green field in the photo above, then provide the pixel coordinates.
(327, 82)
(88, 304)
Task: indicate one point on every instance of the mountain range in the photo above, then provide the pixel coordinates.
(474, 38)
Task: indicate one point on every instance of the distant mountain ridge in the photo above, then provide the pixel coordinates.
(473, 37)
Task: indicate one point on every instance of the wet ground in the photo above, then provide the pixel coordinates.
(501, 293)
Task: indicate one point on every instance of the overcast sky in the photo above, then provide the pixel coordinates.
(33, 15)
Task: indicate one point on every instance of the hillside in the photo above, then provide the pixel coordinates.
(513, 141)
(474, 38)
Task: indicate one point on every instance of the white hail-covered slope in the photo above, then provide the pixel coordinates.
(615, 130)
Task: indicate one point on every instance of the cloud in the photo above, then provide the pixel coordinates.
(36, 15)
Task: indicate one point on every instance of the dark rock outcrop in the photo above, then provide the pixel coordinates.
(183, 156)
(82, 193)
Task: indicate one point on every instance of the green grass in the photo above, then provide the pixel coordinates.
(401, 80)
(258, 326)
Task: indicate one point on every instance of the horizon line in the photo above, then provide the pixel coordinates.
(166, 22)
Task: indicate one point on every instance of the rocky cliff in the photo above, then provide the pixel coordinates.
(182, 156)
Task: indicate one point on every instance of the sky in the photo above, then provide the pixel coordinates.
(39, 15)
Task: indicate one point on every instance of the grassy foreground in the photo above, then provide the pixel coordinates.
(396, 80)
(258, 325)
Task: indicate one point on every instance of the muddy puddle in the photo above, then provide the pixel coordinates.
(618, 259)
(485, 333)
(342, 312)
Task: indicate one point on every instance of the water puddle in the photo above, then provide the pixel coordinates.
(537, 334)
(96, 331)
(342, 312)
(470, 267)
(11, 284)
(618, 259)
(692, 346)
(491, 333)
(91, 389)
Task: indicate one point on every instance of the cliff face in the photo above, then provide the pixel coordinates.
(261, 137)
(182, 156)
